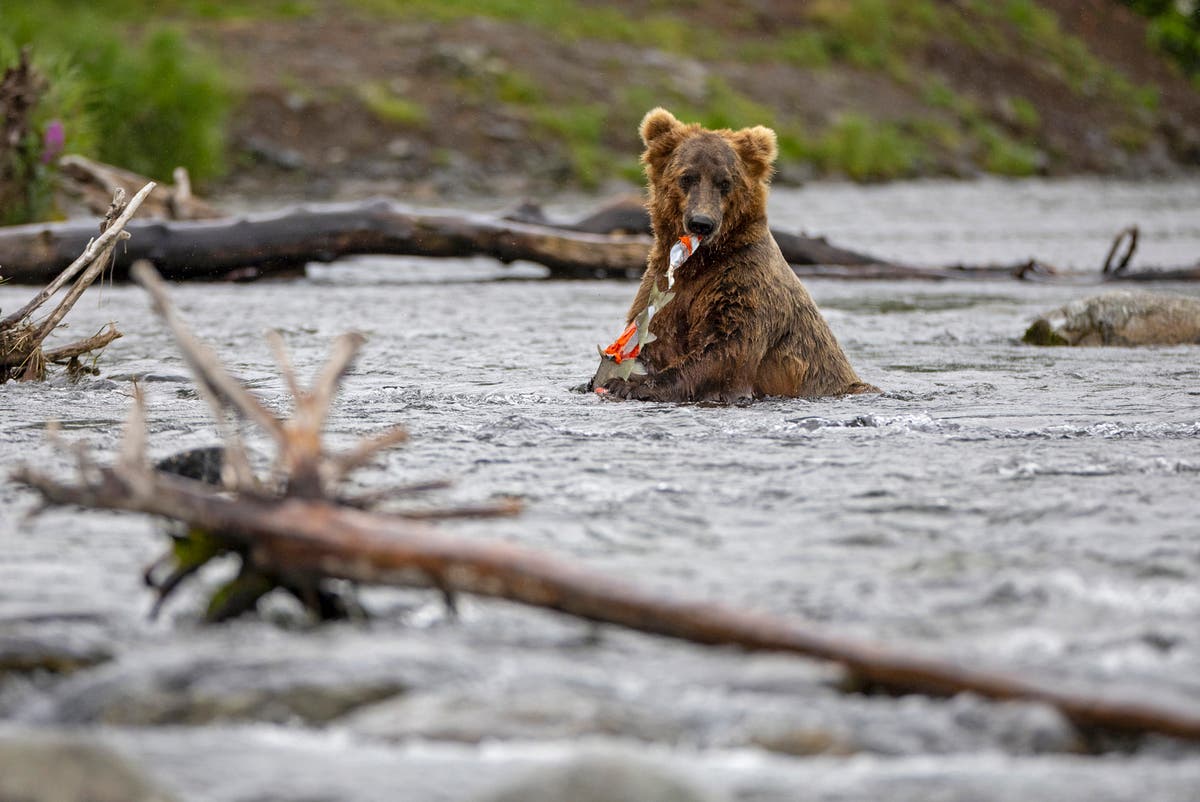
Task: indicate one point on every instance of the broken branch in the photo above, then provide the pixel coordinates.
(21, 338)
(314, 538)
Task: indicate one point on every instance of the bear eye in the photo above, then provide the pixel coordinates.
(687, 182)
(724, 185)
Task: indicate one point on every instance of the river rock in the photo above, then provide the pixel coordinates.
(1122, 317)
(51, 653)
(600, 778)
(548, 713)
(205, 688)
(43, 767)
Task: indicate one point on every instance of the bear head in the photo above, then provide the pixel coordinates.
(704, 182)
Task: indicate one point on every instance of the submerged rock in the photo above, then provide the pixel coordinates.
(1122, 317)
(205, 688)
(600, 778)
(38, 767)
(54, 653)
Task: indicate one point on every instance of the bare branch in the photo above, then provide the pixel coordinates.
(133, 440)
(343, 464)
(93, 343)
(501, 509)
(89, 256)
(279, 349)
(325, 385)
(204, 365)
(51, 321)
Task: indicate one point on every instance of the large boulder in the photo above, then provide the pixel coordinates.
(1122, 317)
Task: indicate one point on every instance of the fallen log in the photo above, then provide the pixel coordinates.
(628, 215)
(283, 242)
(260, 245)
(299, 535)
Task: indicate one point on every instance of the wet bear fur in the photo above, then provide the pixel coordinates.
(741, 324)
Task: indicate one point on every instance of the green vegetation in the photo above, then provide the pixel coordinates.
(58, 117)
(390, 107)
(875, 33)
(862, 148)
(130, 82)
(725, 107)
(568, 20)
(163, 106)
(1174, 31)
(1025, 114)
(1005, 156)
(1072, 62)
(580, 128)
(148, 104)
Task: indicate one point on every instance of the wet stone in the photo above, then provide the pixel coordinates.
(546, 713)
(1122, 317)
(601, 778)
(55, 653)
(47, 767)
(204, 688)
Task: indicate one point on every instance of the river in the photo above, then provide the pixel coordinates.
(1032, 509)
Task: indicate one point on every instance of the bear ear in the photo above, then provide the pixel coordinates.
(657, 123)
(757, 148)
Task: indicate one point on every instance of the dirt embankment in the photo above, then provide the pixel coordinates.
(342, 103)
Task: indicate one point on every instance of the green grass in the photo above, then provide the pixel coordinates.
(162, 106)
(1003, 155)
(390, 107)
(147, 103)
(1025, 114)
(579, 128)
(858, 147)
(875, 34)
(64, 103)
(566, 19)
(808, 47)
(1173, 31)
(131, 89)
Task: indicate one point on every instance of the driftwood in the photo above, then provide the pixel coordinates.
(281, 243)
(95, 182)
(21, 337)
(292, 531)
(259, 245)
(628, 215)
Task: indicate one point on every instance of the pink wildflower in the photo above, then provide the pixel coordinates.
(52, 141)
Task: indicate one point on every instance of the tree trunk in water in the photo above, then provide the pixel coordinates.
(253, 246)
(283, 242)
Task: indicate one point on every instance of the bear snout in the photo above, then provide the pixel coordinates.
(700, 224)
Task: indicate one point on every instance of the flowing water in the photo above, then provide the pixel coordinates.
(1034, 509)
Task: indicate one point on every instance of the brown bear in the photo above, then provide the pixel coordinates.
(741, 325)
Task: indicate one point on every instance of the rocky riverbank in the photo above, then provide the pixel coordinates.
(345, 101)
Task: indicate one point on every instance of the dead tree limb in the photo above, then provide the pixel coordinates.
(628, 215)
(259, 245)
(1129, 235)
(21, 337)
(95, 182)
(299, 536)
(309, 539)
(282, 243)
